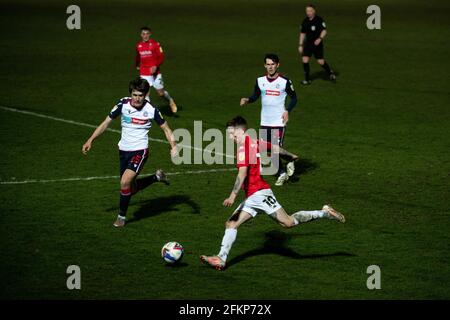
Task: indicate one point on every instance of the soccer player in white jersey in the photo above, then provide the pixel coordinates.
(259, 196)
(137, 115)
(273, 88)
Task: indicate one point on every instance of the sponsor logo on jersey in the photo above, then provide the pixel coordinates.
(313, 28)
(139, 121)
(128, 119)
(145, 52)
(273, 92)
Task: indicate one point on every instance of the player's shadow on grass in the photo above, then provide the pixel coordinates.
(152, 207)
(275, 243)
(303, 166)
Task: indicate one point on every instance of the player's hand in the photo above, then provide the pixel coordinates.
(153, 69)
(317, 42)
(173, 151)
(228, 202)
(300, 49)
(86, 147)
(138, 68)
(285, 117)
(244, 101)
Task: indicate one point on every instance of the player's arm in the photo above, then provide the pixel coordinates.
(242, 174)
(256, 94)
(97, 132)
(293, 100)
(170, 138)
(159, 59)
(167, 132)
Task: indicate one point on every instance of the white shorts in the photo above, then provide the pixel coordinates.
(155, 82)
(261, 201)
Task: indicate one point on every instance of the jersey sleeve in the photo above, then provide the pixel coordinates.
(291, 93)
(160, 55)
(158, 117)
(323, 25)
(116, 110)
(256, 93)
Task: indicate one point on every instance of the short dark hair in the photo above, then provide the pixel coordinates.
(271, 56)
(145, 28)
(237, 121)
(311, 6)
(140, 85)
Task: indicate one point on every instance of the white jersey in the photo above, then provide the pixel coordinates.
(135, 123)
(273, 94)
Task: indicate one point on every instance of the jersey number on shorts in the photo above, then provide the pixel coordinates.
(270, 201)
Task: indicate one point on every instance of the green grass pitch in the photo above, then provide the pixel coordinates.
(376, 145)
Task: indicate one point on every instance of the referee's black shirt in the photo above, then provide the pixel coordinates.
(312, 28)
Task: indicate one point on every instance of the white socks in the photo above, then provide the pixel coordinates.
(305, 216)
(227, 242)
(167, 95)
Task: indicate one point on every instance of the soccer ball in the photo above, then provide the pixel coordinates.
(172, 252)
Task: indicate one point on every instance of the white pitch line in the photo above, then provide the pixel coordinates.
(111, 177)
(40, 115)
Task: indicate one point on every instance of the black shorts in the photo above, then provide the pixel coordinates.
(274, 135)
(133, 160)
(310, 49)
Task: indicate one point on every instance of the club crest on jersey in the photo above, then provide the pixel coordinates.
(277, 86)
(145, 113)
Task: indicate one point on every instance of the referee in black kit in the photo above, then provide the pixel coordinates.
(312, 32)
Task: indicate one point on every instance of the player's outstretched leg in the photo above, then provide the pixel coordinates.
(231, 226)
(289, 221)
(165, 94)
(142, 183)
(327, 212)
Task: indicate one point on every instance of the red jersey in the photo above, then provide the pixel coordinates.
(149, 54)
(248, 156)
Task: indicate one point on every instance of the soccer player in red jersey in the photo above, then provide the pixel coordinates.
(149, 58)
(259, 196)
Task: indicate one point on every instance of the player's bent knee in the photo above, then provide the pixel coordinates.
(230, 224)
(321, 62)
(125, 183)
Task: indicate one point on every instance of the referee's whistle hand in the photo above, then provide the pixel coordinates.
(317, 42)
